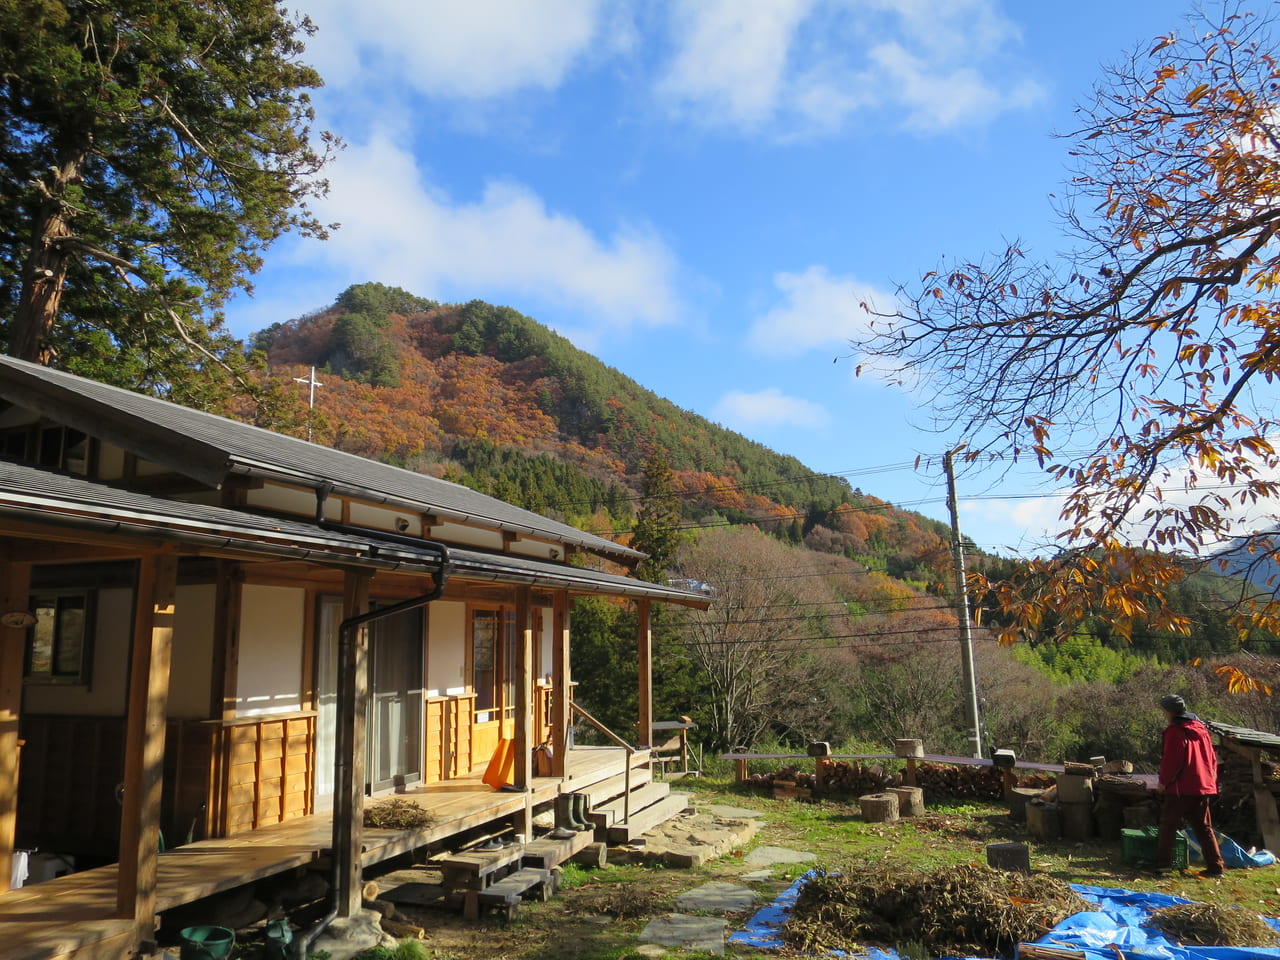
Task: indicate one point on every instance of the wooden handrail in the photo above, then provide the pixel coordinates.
(601, 727)
(261, 718)
(626, 774)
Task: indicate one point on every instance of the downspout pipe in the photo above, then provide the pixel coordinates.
(345, 748)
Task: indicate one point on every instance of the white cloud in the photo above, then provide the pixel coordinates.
(818, 311)
(769, 408)
(732, 56)
(398, 229)
(808, 66)
(467, 50)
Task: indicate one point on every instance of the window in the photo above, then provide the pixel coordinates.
(484, 657)
(62, 448)
(58, 645)
(493, 659)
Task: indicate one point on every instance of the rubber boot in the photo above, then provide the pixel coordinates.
(580, 812)
(565, 826)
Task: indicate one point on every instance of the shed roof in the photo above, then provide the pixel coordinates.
(209, 448)
(1244, 736)
(49, 497)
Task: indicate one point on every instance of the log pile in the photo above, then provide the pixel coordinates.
(1234, 812)
(849, 778)
(964, 783)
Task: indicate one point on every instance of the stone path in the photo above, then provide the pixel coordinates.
(689, 840)
(772, 856)
(686, 932)
(717, 897)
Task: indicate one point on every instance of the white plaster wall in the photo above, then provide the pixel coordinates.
(291, 500)
(190, 674)
(269, 678)
(467, 536)
(380, 518)
(107, 692)
(110, 462)
(536, 548)
(446, 648)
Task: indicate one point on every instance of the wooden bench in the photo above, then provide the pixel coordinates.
(676, 749)
(508, 892)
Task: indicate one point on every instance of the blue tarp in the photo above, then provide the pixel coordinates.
(1117, 921)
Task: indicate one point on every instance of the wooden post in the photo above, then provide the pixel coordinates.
(144, 741)
(15, 590)
(348, 795)
(522, 774)
(911, 772)
(228, 587)
(561, 675)
(644, 656)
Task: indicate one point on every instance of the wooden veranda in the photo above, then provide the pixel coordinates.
(75, 917)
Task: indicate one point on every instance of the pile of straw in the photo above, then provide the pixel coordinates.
(960, 911)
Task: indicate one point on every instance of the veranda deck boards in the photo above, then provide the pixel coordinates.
(83, 904)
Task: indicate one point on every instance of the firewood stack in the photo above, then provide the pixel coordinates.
(852, 777)
(1234, 812)
(849, 778)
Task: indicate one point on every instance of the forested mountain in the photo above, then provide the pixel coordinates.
(851, 641)
(489, 397)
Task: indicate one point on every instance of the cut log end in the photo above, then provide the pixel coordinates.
(879, 807)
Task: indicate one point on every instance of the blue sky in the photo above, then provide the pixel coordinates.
(701, 192)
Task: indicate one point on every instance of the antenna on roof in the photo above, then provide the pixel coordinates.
(312, 382)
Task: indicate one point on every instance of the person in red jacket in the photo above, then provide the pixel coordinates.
(1188, 780)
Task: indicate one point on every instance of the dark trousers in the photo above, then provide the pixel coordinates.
(1194, 811)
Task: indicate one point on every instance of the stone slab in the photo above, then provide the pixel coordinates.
(770, 856)
(757, 876)
(651, 950)
(729, 811)
(689, 840)
(690, 933)
(717, 897)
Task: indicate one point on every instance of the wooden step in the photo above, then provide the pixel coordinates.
(474, 868)
(510, 890)
(549, 852)
(601, 793)
(645, 819)
(607, 814)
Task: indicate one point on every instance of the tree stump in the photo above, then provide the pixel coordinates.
(1109, 815)
(879, 807)
(592, 855)
(1019, 797)
(910, 800)
(1138, 816)
(1043, 821)
(1077, 820)
(908, 748)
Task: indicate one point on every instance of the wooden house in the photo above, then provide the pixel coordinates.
(217, 641)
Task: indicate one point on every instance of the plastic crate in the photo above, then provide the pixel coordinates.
(1138, 848)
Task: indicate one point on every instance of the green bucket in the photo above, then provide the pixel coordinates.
(206, 943)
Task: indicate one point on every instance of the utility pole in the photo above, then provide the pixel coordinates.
(312, 382)
(968, 673)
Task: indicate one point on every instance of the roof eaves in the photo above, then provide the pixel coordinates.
(203, 462)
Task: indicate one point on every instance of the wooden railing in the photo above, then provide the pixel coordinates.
(264, 768)
(626, 774)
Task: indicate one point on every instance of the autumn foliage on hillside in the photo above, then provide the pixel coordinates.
(488, 397)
